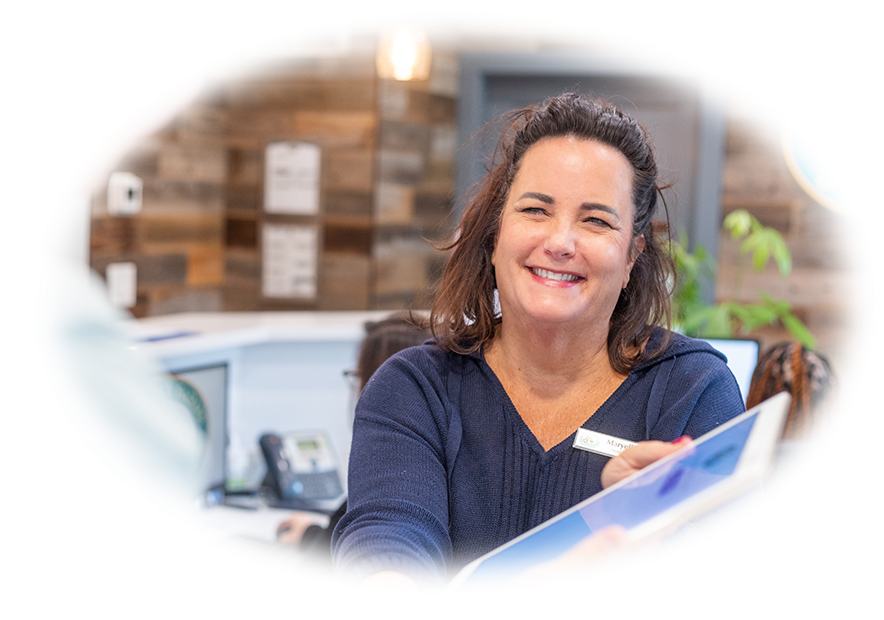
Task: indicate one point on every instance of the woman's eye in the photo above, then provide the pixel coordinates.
(598, 221)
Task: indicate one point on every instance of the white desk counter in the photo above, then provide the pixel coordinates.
(261, 372)
(175, 335)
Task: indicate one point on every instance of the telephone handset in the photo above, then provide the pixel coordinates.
(301, 470)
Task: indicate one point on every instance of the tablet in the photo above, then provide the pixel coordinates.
(705, 473)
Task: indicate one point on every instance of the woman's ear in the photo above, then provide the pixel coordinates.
(638, 245)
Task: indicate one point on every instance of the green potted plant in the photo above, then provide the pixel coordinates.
(695, 317)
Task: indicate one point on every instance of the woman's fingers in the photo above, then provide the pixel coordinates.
(638, 457)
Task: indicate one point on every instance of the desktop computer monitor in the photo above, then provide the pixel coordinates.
(206, 388)
(742, 357)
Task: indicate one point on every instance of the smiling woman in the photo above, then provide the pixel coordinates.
(465, 443)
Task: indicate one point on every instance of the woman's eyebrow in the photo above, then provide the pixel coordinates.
(544, 198)
(597, 206)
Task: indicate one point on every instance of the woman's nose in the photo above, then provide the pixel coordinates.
(560, 241)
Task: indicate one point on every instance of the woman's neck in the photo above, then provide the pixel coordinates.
(537, 355)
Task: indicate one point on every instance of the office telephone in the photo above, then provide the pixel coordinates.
(301, 471)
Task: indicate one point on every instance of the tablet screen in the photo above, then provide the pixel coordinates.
(699, 467)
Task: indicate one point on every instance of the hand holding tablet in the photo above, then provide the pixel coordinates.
(610, 548)
(696, 477)
(638, 457)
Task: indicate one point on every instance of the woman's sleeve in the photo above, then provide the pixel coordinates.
(701, 394)
(397, 506)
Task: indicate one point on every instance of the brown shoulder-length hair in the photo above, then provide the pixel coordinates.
(463, 315)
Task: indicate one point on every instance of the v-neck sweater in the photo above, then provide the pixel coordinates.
(443, 469)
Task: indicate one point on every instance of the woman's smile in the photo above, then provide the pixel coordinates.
(554, 275)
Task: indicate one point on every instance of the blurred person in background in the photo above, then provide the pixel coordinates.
(805, 374)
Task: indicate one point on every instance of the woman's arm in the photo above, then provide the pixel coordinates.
(397, 512)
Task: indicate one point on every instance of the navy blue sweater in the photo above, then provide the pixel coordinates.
(443, 469)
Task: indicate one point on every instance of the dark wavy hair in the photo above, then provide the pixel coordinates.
(463, 314)
(805, 374)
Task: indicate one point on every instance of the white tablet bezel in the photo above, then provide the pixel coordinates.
(752, 466)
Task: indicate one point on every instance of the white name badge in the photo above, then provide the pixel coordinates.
(606, 445)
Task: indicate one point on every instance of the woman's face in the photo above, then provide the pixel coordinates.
(563, 250)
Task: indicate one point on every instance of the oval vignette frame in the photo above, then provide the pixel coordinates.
(588, 32)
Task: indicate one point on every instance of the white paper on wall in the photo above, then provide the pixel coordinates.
(122, 281)
(290, 258)
(291, 178)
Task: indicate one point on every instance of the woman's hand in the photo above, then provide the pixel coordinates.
(638, 457)
(603, 552)
(292, 529)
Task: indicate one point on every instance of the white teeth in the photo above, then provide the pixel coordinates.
(551, 275)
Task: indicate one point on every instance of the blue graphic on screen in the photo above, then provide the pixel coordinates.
(641, 499)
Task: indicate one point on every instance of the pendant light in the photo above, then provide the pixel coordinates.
(404, 55)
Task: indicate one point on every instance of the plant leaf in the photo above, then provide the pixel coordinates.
(781, 254)
(739, 223)
(798, 330)
(780, 306)
(755, 315)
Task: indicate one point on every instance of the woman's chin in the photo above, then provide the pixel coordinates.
(554, 317)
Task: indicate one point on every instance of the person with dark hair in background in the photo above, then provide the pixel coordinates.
(383, 338)
(551, 324)
(806, 375)
(813, 415)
